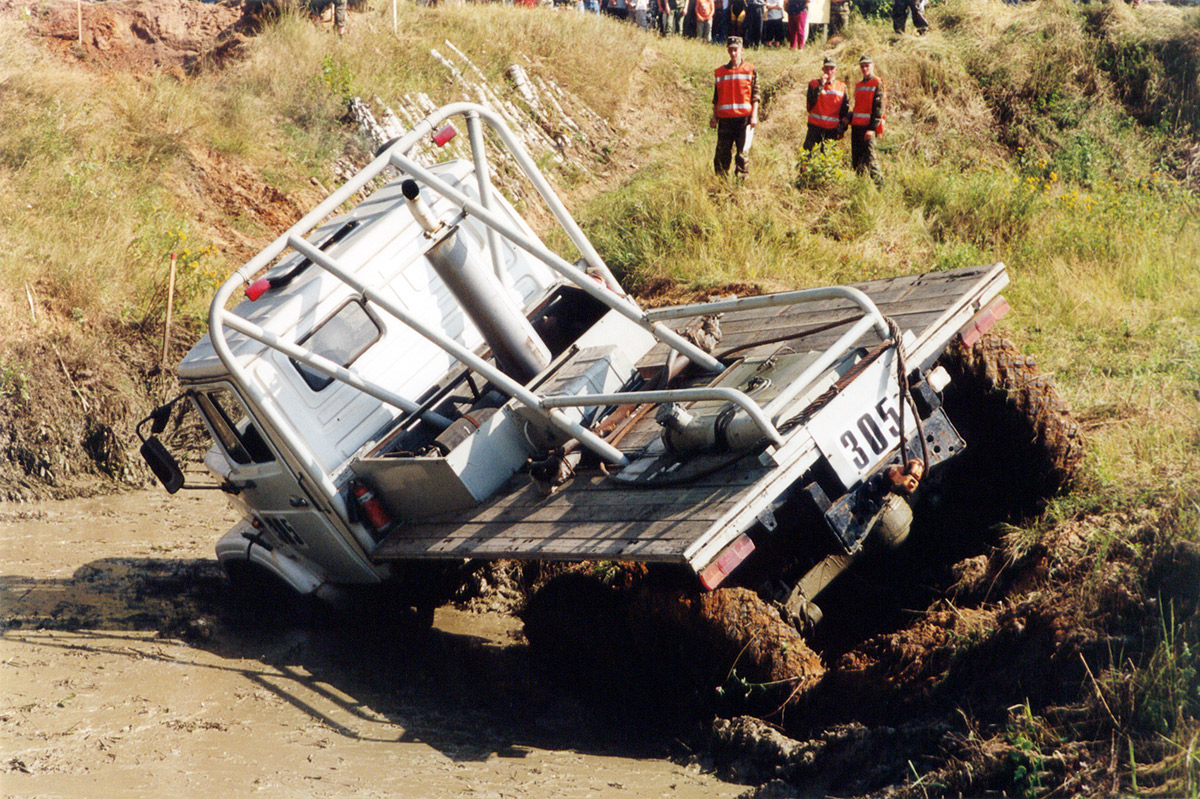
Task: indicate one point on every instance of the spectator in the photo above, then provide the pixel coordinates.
(737, 13)
(616, 8)
(735, 109)
(641, 13)
(900, 11)
(721, 21)
(752, 25)
(774, 28)
(704, 15)
(670, 16)
(866, 122)
(839, 17)
(828, 107)
(797, 11)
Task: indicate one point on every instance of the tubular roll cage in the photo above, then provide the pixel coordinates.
(611, 294)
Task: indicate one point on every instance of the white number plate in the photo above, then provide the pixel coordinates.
(861, 426)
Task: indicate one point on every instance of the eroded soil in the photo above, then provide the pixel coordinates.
(138, 35)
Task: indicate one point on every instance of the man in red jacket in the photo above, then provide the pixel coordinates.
(735, 109)
(866, 121)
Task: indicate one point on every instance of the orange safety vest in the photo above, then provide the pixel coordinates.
(824, 113)
(734, 91)
(864, 98)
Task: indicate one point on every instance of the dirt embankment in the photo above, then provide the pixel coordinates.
(71, 392)
(138, 35)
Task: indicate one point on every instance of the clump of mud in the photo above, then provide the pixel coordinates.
(632, 633)
(79, 443)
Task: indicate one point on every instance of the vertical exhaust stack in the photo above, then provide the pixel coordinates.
(519, 350)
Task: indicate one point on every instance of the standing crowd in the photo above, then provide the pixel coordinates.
(755, 22)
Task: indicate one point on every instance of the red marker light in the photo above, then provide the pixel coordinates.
(444, 135)
(257, 289)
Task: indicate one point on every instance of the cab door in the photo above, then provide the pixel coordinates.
(292, 518)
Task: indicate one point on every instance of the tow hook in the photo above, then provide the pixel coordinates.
(904, 479)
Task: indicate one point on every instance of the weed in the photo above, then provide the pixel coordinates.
(1166, 691)
(13, 381)
(820, 166)
(337, 75)
(1026, 734)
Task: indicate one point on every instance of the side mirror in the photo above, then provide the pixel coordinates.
(163, 464)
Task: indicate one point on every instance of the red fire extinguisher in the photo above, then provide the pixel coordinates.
(371, 510)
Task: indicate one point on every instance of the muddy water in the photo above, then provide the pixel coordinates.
(124, 671)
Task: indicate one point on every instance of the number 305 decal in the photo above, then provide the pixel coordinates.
(284, 530)
(877, 432)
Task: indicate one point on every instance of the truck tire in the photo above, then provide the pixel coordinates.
(262, 599)
(1023, 444)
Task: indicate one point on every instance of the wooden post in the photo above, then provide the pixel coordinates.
(32, 306)
(170, 303)
(79, 19)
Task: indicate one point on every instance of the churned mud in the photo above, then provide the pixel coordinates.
(126, 669)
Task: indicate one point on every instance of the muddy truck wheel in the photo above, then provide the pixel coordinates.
(259, 598)
(670, 647)
(1023, 444)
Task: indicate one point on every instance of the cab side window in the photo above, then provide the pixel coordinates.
(241, 440)
(341, 338)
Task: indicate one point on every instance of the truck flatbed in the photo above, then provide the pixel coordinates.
(594, 516)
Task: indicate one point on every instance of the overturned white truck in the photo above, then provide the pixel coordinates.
(421, 380)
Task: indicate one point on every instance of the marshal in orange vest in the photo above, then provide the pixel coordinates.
(866, 94)
(734, 91)
(826, 112)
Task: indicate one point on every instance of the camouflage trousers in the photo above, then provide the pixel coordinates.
(863, 156)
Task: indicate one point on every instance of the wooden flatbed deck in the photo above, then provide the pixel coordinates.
(594, 516)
